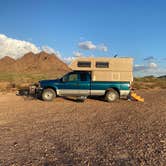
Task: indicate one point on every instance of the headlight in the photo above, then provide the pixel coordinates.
(37, 85)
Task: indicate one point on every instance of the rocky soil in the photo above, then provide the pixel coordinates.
(66, 132)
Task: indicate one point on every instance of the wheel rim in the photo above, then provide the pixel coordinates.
(111, 96)
(48, 95)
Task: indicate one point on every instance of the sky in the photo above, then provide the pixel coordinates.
(70, 28)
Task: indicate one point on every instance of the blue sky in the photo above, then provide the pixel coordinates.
(134, 28)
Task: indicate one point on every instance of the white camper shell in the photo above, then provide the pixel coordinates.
(105, 69)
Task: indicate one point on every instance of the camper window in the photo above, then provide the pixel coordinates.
(84, 64)
(102, 65)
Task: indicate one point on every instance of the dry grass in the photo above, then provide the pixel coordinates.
(12, 81)
(149, 83)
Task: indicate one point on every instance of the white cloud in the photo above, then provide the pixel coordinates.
(161, 71)
(145, 67)
(102, 47)
(139, 67)
(149, 69)
(15, 48)
(69, 59)
(88, 45)
(152, 65)
(50, 50)
(77, 54)
(155, 72)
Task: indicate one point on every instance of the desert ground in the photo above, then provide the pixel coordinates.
(91, 133)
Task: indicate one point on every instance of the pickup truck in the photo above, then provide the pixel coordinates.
(80, 84)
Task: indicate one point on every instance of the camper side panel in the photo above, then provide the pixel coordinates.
(111, 76)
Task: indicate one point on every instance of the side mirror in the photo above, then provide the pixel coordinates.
(63, 79)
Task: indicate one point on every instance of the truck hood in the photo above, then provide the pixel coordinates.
(44, 82)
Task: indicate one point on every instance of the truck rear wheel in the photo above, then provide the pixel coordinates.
(111, 95)
(48, 94)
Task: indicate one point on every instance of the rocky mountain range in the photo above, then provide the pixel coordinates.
(34, 63)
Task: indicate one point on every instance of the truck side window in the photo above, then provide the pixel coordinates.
(83, 77)
(73, 77)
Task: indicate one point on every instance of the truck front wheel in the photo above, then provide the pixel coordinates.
(111, 95)
(48, 94)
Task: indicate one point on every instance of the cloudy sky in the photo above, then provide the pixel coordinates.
(134, 28)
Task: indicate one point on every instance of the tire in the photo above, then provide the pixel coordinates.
(111, 95)
(48, 94)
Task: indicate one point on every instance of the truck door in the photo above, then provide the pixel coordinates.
(84, 83)
(70, 84)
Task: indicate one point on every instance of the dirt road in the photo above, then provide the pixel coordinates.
(65, 132)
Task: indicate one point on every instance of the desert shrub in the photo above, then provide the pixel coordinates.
(162, 83)
(136, 85)
(149, 82)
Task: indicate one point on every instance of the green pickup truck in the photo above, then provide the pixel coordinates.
(81, 85)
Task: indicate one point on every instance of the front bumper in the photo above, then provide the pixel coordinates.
(35, 90)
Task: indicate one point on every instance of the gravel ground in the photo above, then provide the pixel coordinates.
(66, 132)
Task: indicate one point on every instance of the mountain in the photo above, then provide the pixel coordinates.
(7, 60)
(7, 64)
(162, 77)
(34, 63)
